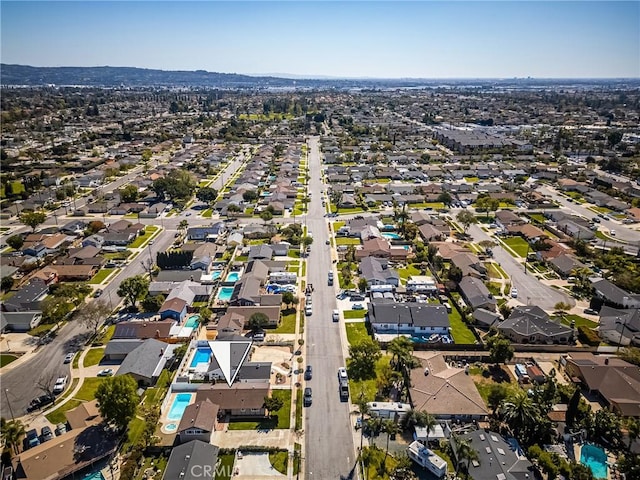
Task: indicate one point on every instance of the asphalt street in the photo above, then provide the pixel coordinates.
(329, 441)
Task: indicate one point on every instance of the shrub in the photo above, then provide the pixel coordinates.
(588, 336)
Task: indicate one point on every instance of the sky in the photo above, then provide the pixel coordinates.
(382, 39)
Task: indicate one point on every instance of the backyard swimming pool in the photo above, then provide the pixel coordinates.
(202, 355)
(233, 277)
(391, 236)
(178, 406)
(192, 321)
(224, 293)
(94, 476)
(216, 274)
(595, 458)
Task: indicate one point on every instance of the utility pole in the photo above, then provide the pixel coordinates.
(6, 393)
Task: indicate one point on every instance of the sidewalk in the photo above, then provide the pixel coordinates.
(22, 345)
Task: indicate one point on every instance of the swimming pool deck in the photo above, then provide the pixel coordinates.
(611, 461)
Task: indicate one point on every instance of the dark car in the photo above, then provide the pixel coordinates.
(46, 433)
(32, 438)
(307, 397)
(307, 373)
(590, 311)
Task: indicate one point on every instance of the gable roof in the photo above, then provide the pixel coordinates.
(532, 320)
(476, 292)
(416, 314)
(192, 454)
(142, 329)
(148, 359)
(201, 415)
(376, 269)
(238, 396)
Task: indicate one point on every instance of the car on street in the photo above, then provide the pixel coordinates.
(46, 433)
(259, 336)
(612, 232)
(97, 294)
(60, 385)
(308, 373)
(590, 311)
(68, 358)
(328, 242)
(106, 372)
(514, 292)
(342, 374)
(308, 311)
(307, 397)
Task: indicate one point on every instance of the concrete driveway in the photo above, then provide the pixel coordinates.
(255, 465)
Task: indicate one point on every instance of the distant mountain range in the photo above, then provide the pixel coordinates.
(143, 77)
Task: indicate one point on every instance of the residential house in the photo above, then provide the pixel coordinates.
(209, 233)
(531, 324)
(20, 321)
(160, 330)
(498, 457)
(238, 400)
(443, 390)
(236, 318)
(94, 240)
(506, 218)
(485, 318)
(118, 348)
(145, 363)
(195, 460)
(198, 422)
(470, 265)
(612, 295)
(175, 308)
(431, 233)
(377, 272)
(374, 247)
(565, 264)
(476, 294)
(27, 297)
(620, 326)
(260, 252)
(71, 273)
(408, 318)
(613, 380)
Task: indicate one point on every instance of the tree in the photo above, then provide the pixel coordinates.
(176, 185)
(6, 283)
(273, 404)
(146, 154)
(572, 408)
(55, 309)
(207, 194)
(288, 298)
(500, 349)
(12, 433)
(47, 382)
(390, 428)
(409, 231)
(233, 209)
(129, 194)
(497, 394)
(95, 226)
(465, 453)
(614, 137)
(152, 303)
(258, 321)
(15, 242)
(362, 284)
(32, 219)
(519, 412)
(134, 289)
(118, 400)
(444, 197)
(562, 307)
(93, 314)
(466, 218)
(183, 225)
(151, 416)
(250, 196)
(306, 240)
(364, 355)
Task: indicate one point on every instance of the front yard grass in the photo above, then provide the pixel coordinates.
(493, 270)
(93, 357)
(281, 419)
(149, 231)
(6, 359)
(57, 416)
(287, 322)
(356, 332)
(518, 245)
(208, 213)
(351, 314)
(567, 319)
(279, 461)
(347, 241)
(367, 388)
(88, 389)
(225, 467)
(299, 401)
(338, 225)
(101, 276)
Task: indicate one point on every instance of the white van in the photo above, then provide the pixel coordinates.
(336, 315)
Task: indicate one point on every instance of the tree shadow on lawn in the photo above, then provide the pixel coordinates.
(497, 373)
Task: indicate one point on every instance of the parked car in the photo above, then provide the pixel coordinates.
(590, 311)
(32, 438)
(308, 311)
(97, 294)
(342, 373)
(61, 428)
(69, 357)
(612, 232)
(308, 373)
(46, 433)
(60, 385)
(358, 306)
(514, 292)
(307, 397)
(107, 372)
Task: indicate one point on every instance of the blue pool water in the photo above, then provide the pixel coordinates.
(233, 277)
(178, 406)
(596, 459)
(192, 321)
(224, 293)
(94, 476)
(202, 355)
(391, 236)
(216, 274)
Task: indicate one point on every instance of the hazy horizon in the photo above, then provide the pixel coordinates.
(332, 40)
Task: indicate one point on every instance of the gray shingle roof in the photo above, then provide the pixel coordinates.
(148, 359)
(187, 462)
(416, 314)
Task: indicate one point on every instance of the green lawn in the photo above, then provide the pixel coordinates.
(494, 288)
(493, 270)
(459, 330)
(356, 332)
(134, 430)
(367, 388)
(304, 268)
(208, 213)
(101, 276)
(350, 314)
(338, 225)
(106, 336)
(405, 273)
(88, 389)
(566, 319)
(149, 231)
(293, 253)
(471, 179)
(538, 217)
(287, 323)
(518, 245)
(281, 419)
(279, 461)
(57, 416)
(6, 359)
(93, 357)
(224, 468)
(347, 241)
(299, 402)
(41, 329)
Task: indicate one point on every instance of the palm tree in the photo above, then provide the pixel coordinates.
(464, 452)
(183, 225)
(401, 349)
(390, 428)
(364, 410)
(519, 412)
(12, 432)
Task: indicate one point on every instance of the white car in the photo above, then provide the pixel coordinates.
(342, 373)
(308, 311)
(612, 233)
(60, 385)
(514, 292)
